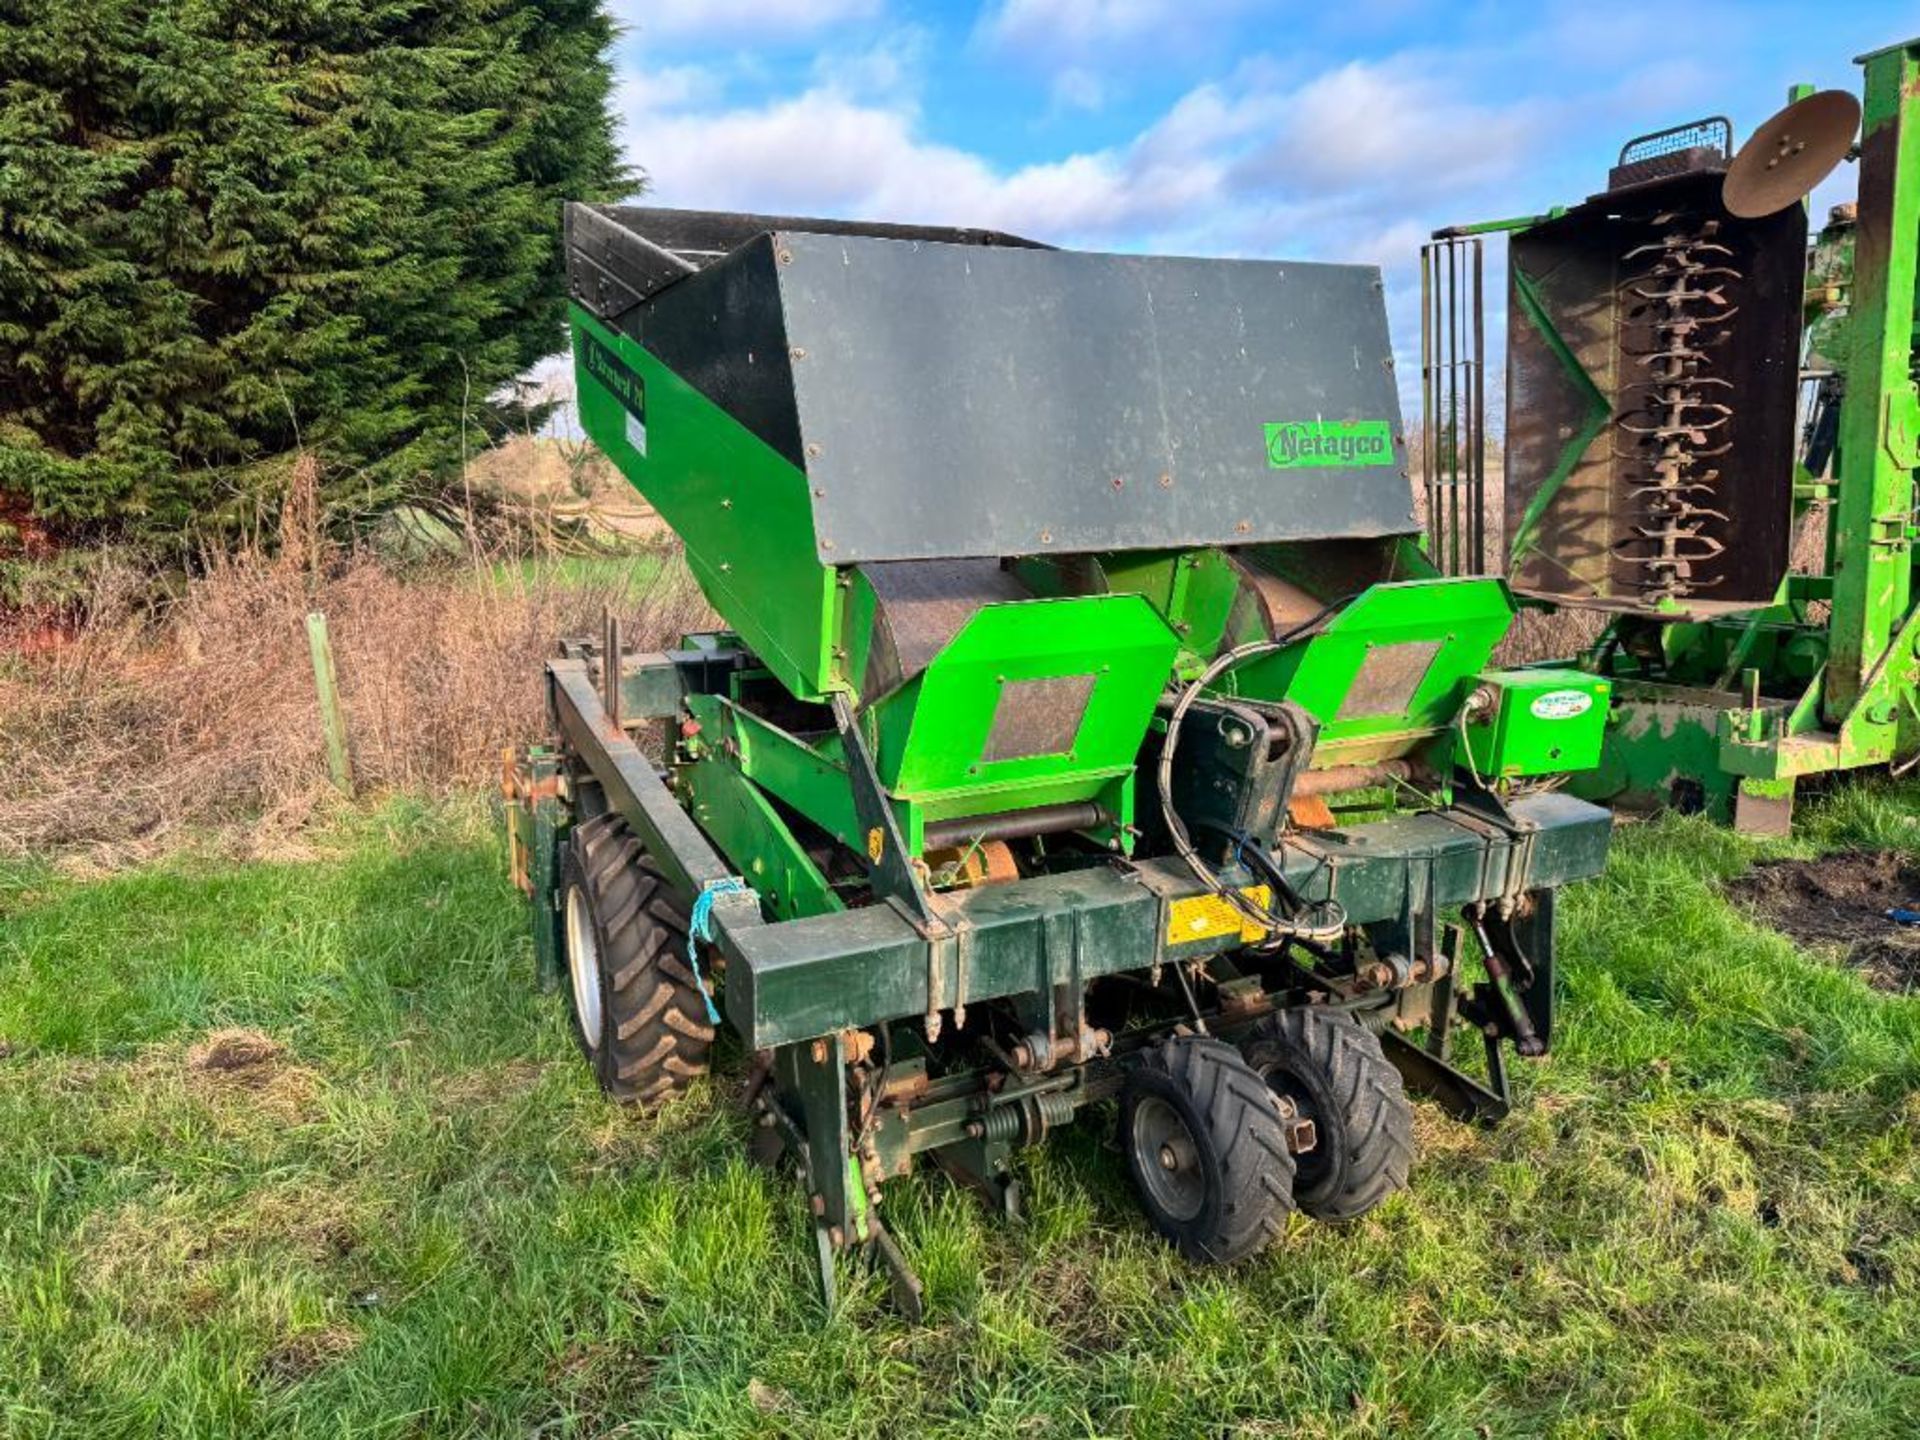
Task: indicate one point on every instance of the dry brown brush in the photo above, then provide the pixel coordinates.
(203, 713)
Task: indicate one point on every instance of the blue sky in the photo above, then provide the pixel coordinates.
(1333, 131)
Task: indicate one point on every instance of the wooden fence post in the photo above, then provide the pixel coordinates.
(333, 721)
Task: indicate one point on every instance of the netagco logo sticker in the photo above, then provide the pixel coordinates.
(1328, 444)
(1561, 704)
(622, 382)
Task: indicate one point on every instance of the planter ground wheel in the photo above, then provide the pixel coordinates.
(637, 1011)
(1206, 1146)
(1335, 1073)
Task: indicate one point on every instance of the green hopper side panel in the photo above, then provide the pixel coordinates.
(1391, 670)
(1029, 693)
(736, 503)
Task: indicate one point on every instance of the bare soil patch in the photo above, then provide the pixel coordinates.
(302, 1356)
(241, 1073)
(248, 1056)
(1840, 902)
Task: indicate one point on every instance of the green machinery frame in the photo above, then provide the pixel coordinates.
(806, 978)
(1727, 710)
(820, 780)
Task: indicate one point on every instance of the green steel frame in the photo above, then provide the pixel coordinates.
(1727, 713)
(820, 793)
(806, 977)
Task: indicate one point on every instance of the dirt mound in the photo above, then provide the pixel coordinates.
(1841, 902)
(244, 1076)
(245, 1056)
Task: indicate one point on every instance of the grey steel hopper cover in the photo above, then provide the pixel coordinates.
(959, 400)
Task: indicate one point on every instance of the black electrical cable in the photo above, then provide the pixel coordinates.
(1335, 921)
(1258, 859)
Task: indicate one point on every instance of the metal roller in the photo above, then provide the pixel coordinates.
(1682, 281)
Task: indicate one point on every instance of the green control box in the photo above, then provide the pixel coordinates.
(1535, 722)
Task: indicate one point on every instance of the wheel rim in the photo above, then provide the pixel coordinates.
(1310, 1166)
(1169, 1158)
(583, 961)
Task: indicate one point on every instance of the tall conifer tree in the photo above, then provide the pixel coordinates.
(234, 228)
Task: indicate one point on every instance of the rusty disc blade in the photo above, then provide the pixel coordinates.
(1793, 152)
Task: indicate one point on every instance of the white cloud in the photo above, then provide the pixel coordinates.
(1052, 28)
(1075, 88)
(890, 68)
(828, 153)
(710, 18)
(663, 88)
(1395, 124)
(1251, 164)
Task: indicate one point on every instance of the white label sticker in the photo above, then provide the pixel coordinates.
(636, 432)
(1561, 704)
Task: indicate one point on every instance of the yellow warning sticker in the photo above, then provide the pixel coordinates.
(1208, 917)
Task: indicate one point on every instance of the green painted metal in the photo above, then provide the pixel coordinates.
(1329, 444)
(859, 610)
(537, 820)
(933, 733)
(1657, 737)
(1539, 722)
(1880, 417)
(631, 785)
(930, 736)
(755, 837)
(740, 509)
(791, 983)
(1500, 227)
(1390, 671)
(1194, 589)
(809, 777)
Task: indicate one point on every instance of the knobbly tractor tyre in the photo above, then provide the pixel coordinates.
(1333, 1071)
(637, 1010)
(1206, 1145)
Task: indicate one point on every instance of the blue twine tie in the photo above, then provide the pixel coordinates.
(700, 927)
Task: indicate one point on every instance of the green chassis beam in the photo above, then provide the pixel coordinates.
(635, 789)
(808, 978)
(799, 980)
(1879, 418)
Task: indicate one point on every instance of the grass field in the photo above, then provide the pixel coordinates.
(293, 1149)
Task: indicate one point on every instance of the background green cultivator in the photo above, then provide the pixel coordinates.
(1662, 337)
(1089, 725)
